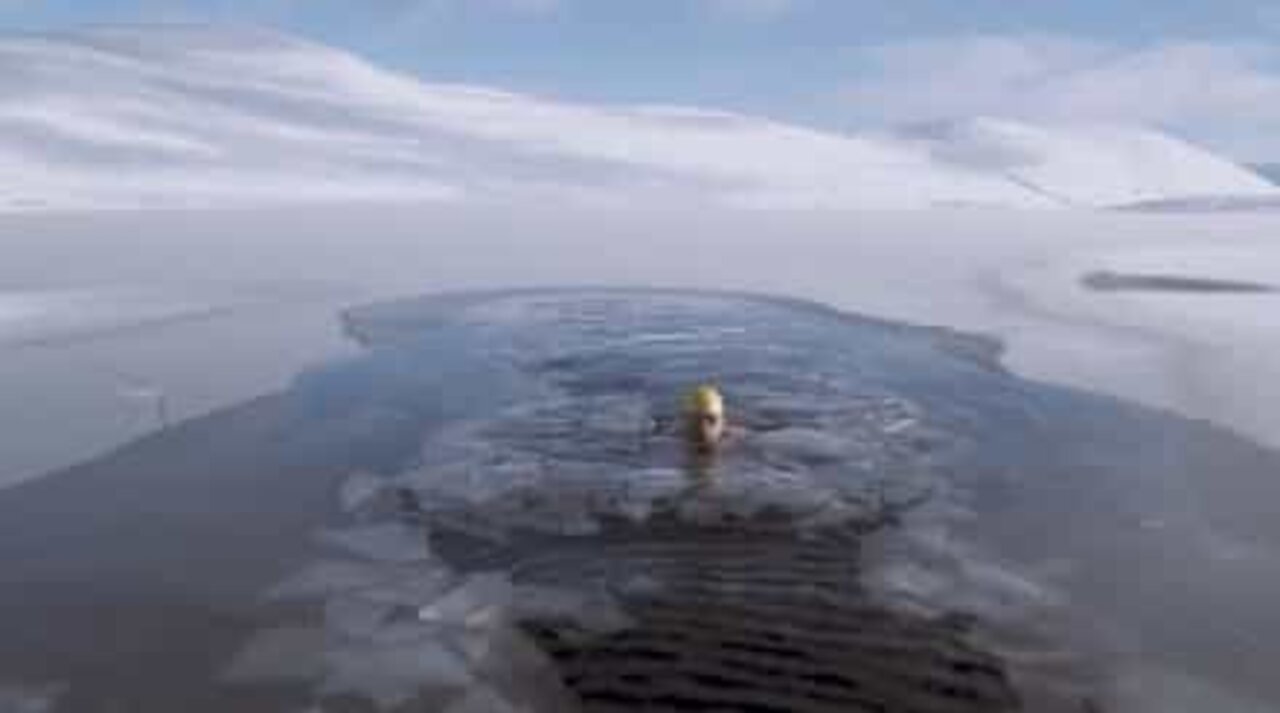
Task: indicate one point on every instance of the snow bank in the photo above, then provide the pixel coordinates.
(181, 116)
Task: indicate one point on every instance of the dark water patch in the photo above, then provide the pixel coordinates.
(1106, 281)
(750, 619)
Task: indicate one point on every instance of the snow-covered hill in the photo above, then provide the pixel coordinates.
(169, 116)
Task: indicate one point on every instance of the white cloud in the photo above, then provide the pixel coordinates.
(1226, 94)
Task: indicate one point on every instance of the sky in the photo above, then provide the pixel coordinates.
(1207, 70)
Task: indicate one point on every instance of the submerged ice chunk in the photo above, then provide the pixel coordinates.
(353, 615)
(755, 490)
(359, 490)
(805, 445)
(513, 666)
(475, 603)
(482, 699)
(909, 581)
(594, 611)
(328, 577)
(394, 673)
(288, 653)
(999, 592)
(406, 585)
(391, 542)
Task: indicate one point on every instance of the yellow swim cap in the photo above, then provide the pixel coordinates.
(705, 399)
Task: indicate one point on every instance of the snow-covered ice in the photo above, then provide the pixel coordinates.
(96, 361)
(44, 316)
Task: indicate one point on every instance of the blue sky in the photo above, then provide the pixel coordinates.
(1204, 69)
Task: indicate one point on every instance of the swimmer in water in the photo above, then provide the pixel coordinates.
(704, 420)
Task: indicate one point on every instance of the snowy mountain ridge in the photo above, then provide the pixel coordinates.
(177, 116)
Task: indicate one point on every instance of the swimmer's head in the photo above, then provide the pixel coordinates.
(704, 417)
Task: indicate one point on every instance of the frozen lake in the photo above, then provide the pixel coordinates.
(84, 372)
(1016, 504)
(1056, 498)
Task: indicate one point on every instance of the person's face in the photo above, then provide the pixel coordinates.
(708, 427)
